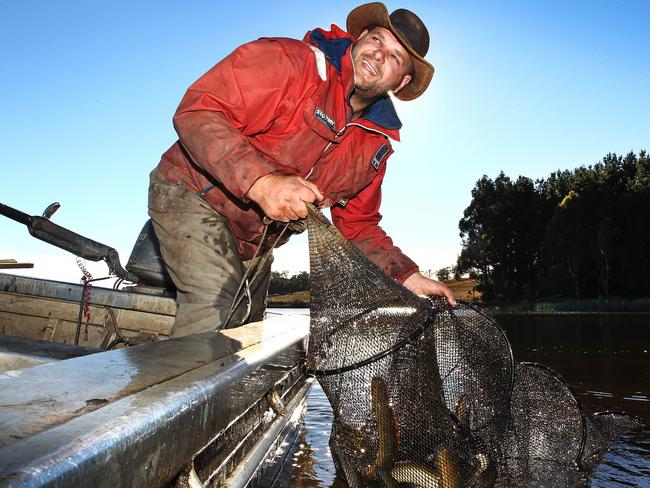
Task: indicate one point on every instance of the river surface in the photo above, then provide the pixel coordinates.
(604, 357)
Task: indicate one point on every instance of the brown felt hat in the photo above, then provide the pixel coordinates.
(408, 29)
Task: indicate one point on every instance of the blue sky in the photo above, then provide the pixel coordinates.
(88, 91)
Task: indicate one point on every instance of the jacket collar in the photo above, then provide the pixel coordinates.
(336, 44)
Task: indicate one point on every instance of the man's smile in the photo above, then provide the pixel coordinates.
(370, 68)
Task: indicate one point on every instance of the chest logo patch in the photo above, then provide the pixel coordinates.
(324, 119)
(381, 154)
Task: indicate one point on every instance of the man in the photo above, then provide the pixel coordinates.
(275, 125)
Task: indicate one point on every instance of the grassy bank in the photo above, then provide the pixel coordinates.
(299, 299)
(568, 306)
(463, 289)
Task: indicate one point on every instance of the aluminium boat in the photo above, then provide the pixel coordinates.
(94, 393)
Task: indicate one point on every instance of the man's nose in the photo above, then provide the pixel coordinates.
(379, 55)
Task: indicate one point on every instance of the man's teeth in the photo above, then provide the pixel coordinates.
(370, 66)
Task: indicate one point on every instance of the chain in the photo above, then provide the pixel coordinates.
(87, 292)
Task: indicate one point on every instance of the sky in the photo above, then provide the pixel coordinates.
(88, 90)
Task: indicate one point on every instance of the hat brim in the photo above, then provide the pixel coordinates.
(376, 14)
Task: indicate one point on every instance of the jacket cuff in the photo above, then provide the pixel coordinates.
(247, 180)
(401, 277)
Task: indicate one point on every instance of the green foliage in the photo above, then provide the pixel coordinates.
(443, 274)
(282, 284)
(580, 233)
(499, 231)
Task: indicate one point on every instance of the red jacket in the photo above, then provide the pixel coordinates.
(276, 106)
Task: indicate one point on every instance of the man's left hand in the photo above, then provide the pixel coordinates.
(421, 285)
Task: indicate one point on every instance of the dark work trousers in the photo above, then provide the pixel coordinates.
(199, 250)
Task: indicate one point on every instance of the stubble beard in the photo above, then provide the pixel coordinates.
(369, 91)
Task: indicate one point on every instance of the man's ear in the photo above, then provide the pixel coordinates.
(363, 33)
(405, 81)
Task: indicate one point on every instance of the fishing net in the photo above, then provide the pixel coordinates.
(428, 395)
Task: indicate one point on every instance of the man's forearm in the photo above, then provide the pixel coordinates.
(221, 150)
(226, 107)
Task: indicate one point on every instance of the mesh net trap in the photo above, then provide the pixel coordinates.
(428, 395)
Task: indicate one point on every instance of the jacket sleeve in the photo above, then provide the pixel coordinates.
(238, 98)
(358, 221)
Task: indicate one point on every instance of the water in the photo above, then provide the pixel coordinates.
(604, 357)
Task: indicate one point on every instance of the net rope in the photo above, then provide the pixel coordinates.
(429, 395)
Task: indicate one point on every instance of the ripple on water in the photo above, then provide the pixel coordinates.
(637, 398)
(627, 463)
(599, 394)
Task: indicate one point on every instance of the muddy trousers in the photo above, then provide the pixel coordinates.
(200, 253)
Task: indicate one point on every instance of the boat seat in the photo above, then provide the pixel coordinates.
(146, 260)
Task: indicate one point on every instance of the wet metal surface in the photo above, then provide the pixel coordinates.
(44, 349)
(138, 413)
(227, 450)
(280, 429)
(17, 352)
(10, 360)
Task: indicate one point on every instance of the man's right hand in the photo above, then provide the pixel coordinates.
(283, 197)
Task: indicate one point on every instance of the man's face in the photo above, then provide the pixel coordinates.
(381, 64)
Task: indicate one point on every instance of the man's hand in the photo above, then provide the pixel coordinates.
(421, 285)
(283, 197)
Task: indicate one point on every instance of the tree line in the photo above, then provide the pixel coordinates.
(579, 233)
(283, 284)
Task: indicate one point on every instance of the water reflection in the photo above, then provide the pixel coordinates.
(603, 357)
(311, 461)
(627, 463)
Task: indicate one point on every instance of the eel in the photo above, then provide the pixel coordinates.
(416, 474)
(387, 433)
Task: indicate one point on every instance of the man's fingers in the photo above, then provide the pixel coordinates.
(293, 209)
(283, 198)
(317, 193)
(303, 194)
(448, 294)
(299, 210)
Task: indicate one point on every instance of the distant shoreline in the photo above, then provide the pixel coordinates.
(300, 299)
(464, 290)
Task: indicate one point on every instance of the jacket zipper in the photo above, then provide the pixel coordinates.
(363, 127)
